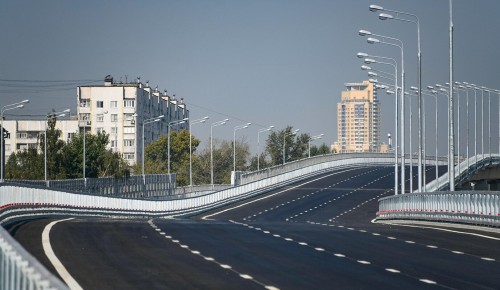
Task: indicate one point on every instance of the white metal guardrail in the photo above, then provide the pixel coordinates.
(471, 207)
(465, 169)
(19, 270)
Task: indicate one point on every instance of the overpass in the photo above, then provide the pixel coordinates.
(20, 202)
(462, 206)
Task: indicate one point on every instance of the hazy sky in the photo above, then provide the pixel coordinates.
(269, 62)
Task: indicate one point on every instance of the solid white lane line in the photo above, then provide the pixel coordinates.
(49, 252)
(488, 259)
(446, 230)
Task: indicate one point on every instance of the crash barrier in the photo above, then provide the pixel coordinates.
(470, 207)
(20, 270)
(294, 165)
(18, 200)
(136, 186)
(464, 170)
(190, 191)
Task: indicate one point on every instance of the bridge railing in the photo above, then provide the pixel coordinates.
(471, 207)
(465, 169)
(20, 270)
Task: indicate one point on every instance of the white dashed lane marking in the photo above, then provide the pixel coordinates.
(212, 260)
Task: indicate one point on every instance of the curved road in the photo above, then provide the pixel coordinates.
(316, 234)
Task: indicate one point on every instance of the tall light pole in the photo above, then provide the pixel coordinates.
(258, 144)
(394, 64)
(176, 122)
(312, 139)
(234, 141)
(219, 123)
(197, 121)
(147, 121)
(435, 93)
(384, 16)
(49, 117)
(284, 142)
(5, 108)
(372, 40)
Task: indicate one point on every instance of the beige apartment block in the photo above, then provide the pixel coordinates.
(358, 119)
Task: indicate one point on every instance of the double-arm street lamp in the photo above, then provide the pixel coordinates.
(145, 122)
(234, 141)
(394, 64)
(197, 121)
(219, 123)
(312, 139)
(285, 134)
(258, 144)
(400, 45)
(416, 21)
(49, 117)
(5, 108)
(170, 124)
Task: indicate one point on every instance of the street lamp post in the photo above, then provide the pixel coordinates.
(223, 122)
(312, 139)
(258, 144)
(394, 64)
(435, 93)
(234, 141)
(5, 108)
(402, 101)
(50, 116)
(176, 122)
(202, 120)
(147, 121)
(284, 142)
(384, 16)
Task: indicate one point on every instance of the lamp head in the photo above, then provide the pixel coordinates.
(385, 16)
(389, 92)
(414, 88)
(361, 55)
(370, 61)
(373, 81)
(372, 74)
(364, 33)
(375, 8)
(365, 67)
(372, 40)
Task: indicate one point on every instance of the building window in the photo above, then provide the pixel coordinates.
(85, 103)
(114, 130)
(99, 130)
(70, 136)
(22, 135)
(113, 104)
(128, 143)
(85, 117)
(129, 103)
(129, 156)
(100, 104)
(113, 144)
(100, 118)
(114, 117)
(129, 130)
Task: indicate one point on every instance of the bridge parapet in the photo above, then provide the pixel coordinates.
(471, 207)
(464, 170)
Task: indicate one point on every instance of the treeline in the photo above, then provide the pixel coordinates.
(65, 160)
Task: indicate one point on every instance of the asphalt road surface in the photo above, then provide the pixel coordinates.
(316, 234)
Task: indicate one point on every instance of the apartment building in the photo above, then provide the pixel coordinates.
(124, 110)
(358, 119)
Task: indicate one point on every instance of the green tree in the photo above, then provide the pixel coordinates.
(295, 146)
(27, 164)
(156, 154)
(321, 150)
(55, 168)
(222, 162)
